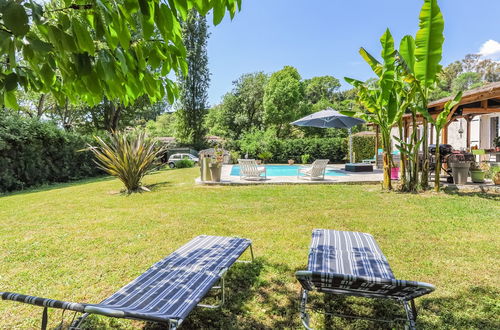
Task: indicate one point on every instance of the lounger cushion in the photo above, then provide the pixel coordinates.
(171, 288)
(346, 252)
(351, 263)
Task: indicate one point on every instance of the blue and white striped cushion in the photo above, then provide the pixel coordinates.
(171, 288)
(346, 252)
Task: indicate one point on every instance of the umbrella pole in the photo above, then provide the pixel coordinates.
(350, 146)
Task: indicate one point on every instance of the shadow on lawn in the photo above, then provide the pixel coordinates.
(253, 302)
(485, 195)
(58, 185)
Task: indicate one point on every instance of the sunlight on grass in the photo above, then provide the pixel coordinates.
(83, 241)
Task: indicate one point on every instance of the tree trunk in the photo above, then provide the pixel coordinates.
(437, 170)
(414, 161)
(402, 166)
(425, 156)
(387, 161)
(39, 108)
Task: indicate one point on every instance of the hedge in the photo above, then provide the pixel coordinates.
(33, 152)
(334, 149)
(363, 147)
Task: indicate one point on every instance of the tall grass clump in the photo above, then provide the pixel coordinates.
(129, 156)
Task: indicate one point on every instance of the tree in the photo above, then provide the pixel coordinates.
(164, 125)
(114, 115)
(319, 88)
(283, 99)
(466, 81)
(194, 86)
(381, 99)
(478, 71)
(83, 51)
(241, 109)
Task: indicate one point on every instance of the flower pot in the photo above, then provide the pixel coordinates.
(205, 169)
(496, 178)
(460, 172)
(216, 172)
(394, 173)
(477, 176)
(291, 162)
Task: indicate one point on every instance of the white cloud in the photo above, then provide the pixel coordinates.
(490, 49)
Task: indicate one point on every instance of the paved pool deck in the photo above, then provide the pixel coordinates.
(374, 177)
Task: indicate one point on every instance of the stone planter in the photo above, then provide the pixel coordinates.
(460, 172)
(215, 172)
(477, 176)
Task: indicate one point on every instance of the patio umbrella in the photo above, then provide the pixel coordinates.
(330, 118)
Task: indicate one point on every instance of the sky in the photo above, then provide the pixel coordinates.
(322, 37)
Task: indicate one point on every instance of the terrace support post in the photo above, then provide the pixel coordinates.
(468, 120)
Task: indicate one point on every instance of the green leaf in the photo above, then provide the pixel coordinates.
(407, 52)
(182, 8)
(83, 64)
(10, 101)
(122, 60)
(83, 37)
(219, 11)
(47, 75)
(144, 6)
(10, 82)
(388, 73)
(15, 19)
(40, 46)
(429, 43)
(372, 61)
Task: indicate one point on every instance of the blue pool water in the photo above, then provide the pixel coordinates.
(284, 170)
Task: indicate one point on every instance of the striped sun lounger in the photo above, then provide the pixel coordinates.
(352, 264)
(166, 292)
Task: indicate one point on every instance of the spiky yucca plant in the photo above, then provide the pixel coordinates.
(129, 156)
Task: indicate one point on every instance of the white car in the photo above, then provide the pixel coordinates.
(173, 159)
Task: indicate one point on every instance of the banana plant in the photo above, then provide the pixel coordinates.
(381, 101)
(439, 123)
(421, 57)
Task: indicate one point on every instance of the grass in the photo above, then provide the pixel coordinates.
(83, 241)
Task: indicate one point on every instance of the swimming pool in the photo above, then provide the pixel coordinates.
(284, 170)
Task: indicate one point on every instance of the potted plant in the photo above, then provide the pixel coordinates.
(496, 142)
(265, 156)
(216, 164)
(476, 173)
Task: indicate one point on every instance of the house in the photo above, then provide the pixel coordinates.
(474, 122)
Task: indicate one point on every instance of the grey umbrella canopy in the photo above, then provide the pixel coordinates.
(330, 118)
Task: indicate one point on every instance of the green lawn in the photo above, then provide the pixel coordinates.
(82, 241)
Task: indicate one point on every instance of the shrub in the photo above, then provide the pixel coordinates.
(333, 149)
(235, 155)
(305, 158)
(129, 156)
(33, 152)
(363, 147)
(265, 156)
(184, 163)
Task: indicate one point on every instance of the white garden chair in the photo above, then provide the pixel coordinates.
(250, 171)
(314, 172)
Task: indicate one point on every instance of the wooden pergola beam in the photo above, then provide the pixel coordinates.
(480, 111)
